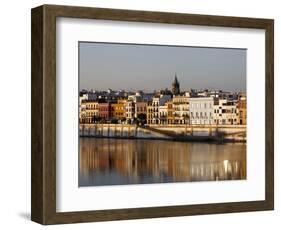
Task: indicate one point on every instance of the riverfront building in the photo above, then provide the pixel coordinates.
(118, 110)
(163, 114)
(181, 109)
(153, 110)
(140, 109)
(201, 110)
(130, 111)
(88, 111)
(164, 107)
(225, 112)
(242, 109)
(104, 111)
(170, 112)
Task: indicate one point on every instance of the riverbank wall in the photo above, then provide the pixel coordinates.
(222, 133)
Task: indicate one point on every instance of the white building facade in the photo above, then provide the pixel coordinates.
(163, 114)
(129, 111)
(153, 110)
(225, 112)
(201, 110)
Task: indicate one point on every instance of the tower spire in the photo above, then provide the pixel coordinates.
(176, 85)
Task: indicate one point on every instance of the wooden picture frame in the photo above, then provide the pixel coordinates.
(43, 207)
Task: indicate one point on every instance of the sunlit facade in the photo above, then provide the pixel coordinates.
(181, 109)
(201, 110)
(164, 107)
(225, 112)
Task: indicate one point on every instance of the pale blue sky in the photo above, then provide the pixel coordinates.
(149, 67)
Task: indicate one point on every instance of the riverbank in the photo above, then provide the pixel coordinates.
(178, 139)
(194, 133)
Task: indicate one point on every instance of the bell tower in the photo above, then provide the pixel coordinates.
(176, 86)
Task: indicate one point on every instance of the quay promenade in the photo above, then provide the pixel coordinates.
(223, 133)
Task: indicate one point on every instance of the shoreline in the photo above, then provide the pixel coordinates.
(206, 139)
(184, 133)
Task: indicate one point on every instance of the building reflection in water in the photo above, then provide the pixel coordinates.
(119, 161)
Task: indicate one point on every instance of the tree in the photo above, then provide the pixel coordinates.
(96, 119)
(141, 118)
(114, 121)
(186, 118)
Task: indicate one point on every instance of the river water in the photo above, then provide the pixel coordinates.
(109, 161)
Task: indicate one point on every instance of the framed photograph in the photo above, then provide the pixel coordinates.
(140, 114)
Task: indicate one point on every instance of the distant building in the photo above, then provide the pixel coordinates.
(83, 97)
(92, 96)
(134, 98)
(147, 97)
(176, 86)
(203, 93)
(221, 94)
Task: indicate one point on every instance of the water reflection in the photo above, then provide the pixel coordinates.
(119, 161)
